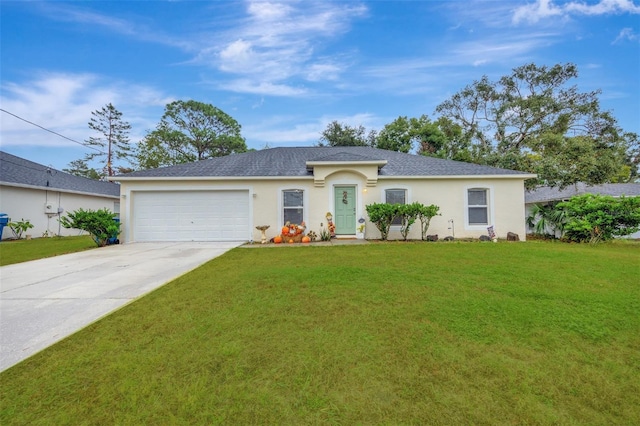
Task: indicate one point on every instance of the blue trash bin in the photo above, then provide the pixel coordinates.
(114, 238)
(4, 221)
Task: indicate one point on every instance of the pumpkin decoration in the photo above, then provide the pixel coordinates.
(300, 228)
(290, 241)
(285, 229)
(277, 239)
(306, 239)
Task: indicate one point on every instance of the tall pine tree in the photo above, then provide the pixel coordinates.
(112, 144)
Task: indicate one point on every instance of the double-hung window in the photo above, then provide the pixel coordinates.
(293, 206)
(477, 202)
(396, 196)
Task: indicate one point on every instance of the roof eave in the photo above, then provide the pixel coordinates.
(194, 178)
(503, 176)
(51, 188)
(222, 178)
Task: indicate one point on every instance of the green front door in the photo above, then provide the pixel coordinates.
(345, 205)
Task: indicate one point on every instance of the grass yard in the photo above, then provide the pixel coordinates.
(16, 251)
(395, 333)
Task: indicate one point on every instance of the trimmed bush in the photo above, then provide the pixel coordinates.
(99, 223)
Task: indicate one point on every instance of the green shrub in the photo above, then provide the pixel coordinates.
(381, 215)
(99, 223)
(425, 213)
(408, 214)
(18, 228)
(594, 218)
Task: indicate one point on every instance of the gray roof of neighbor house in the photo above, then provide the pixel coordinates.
(546, 193)
(292, 162)
(16, 171)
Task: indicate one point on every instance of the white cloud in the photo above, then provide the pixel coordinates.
(262, 88)
(63, 102)
(320, 71)
(604, 7)
(136, 29)
(534, 12)
(269, 44)
(543, 9)
(498, 48)
(626, 34)
(458, 61)
(279, 41)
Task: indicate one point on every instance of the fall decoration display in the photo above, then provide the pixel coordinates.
(292, 233)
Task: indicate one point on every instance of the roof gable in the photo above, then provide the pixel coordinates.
(17, 171)
(292, 162)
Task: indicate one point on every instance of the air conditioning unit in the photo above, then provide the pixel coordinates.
(50, 209)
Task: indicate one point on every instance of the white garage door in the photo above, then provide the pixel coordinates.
(191, 216)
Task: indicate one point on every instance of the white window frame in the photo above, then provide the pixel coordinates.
(406, 201)
(489, 206)
(282, 207)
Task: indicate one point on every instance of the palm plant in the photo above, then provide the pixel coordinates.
(547, 219)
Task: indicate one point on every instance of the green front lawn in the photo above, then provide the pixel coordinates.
(16, 251)
(395, 333)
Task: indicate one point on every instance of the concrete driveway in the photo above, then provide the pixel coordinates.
(44, 301)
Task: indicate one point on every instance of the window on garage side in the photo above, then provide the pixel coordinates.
(478, 205)
(293, 205)
(396, 196)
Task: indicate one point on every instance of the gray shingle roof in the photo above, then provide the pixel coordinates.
(18, 171)
(545, 193)
(291, 162)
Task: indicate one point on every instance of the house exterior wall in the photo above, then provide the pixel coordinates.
(506, 201)
(29, 204)
(505, 204)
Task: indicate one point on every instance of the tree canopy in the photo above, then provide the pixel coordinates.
(532, 120)
(190, 131)
(340, 134)
(408, 134)
(81, 168)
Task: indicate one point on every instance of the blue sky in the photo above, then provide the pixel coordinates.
(284, 70)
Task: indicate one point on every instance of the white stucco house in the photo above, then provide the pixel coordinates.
(40, 194)
(545, 195)
(225, 198)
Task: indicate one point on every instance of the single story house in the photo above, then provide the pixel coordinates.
(225, 198)
(40, 194)
(546, 194)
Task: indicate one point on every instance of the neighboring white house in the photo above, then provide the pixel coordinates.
(545, 195)
(225, 198)
(40, 194)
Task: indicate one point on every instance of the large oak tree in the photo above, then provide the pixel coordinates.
(533, 120)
